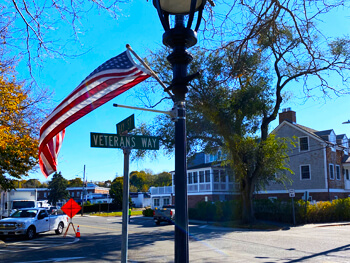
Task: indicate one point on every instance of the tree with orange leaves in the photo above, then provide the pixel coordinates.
(19, 126)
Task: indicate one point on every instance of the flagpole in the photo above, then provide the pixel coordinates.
(153, 74)
(170, 113)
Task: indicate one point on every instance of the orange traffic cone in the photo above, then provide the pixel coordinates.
(78, 232)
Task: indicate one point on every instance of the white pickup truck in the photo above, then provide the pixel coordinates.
(31, 221)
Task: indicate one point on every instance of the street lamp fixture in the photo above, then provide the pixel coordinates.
(346, 122)
(179, 38)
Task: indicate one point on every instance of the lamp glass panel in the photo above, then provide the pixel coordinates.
(178, 6)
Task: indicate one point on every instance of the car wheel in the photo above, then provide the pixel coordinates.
(3, 238)
(59, 229)
(157, 222)
(30, 233)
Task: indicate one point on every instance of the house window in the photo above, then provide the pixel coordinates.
(72, 194)
(189, 178)
(201, 176)
(216, 176)
(305, 172)
(156, 202)
(347, 174)
(337, 170)
(331, 171)
(207, 176)
(45, 194)
(195, 178)
(303, 143)
(166, 201)
(222, 176)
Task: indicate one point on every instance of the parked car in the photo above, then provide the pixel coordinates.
(166, 214)
(31, 221)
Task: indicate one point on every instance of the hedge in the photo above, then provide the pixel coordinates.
(275, 210)
(218, 211)
(320, 212)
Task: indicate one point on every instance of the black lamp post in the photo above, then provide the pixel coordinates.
(179, 39)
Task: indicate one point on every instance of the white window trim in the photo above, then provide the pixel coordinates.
(336, 173)
(301, 178)
(329, 170)
(308, 144)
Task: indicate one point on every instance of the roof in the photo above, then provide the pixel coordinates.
(324, 133)
(341, 136)
(204, 165)
(319, 135)
(346, 159)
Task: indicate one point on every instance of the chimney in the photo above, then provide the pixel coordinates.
(287, 115)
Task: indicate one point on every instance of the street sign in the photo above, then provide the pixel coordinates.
(71, 208)
(110, 140)
(291, 193)
(126, 125)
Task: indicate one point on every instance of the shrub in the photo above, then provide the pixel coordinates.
(218, 211)
(148, 212)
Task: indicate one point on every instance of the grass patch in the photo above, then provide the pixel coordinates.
(133, 213)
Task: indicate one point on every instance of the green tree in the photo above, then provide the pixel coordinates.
(116, 192)
(32, 183)
(162, 179)
(77, 182)
(267, 47)
(57, 189)
(138, 180)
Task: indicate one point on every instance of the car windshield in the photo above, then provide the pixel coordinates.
(25, 213)
(23, 204)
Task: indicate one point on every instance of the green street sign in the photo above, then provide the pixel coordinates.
(110, 140)
(126, 125)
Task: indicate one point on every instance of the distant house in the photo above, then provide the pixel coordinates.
(207, 180)
(141, 199)
(77, 192)
(320, 161)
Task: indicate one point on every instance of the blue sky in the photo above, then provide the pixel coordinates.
(140, 27)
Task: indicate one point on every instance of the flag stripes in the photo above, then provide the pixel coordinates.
(108, 81)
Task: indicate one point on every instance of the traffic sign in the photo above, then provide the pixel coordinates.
(126, 125)
(71, 208)
(110, 140)
(291, 193)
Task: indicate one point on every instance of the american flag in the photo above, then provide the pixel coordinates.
(112, 78)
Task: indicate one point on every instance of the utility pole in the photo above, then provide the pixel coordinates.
(82, 194)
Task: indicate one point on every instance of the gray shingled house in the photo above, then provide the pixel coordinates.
(320, 162)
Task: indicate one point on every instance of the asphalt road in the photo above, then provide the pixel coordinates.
(101, 242)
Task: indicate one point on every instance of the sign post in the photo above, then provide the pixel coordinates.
(125, 241)
(126, 142)
(292, 195)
